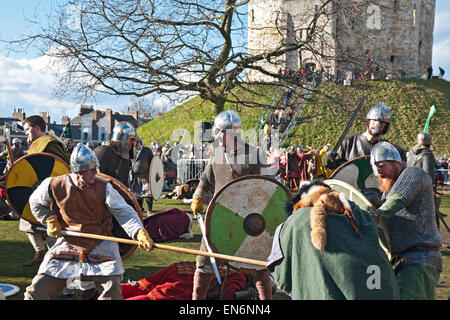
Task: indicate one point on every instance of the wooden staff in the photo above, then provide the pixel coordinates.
(164, 247)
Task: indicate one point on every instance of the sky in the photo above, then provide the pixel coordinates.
(26, 83)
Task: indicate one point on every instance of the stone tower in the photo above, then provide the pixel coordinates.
(396, 36)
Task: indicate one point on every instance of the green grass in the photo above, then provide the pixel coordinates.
(170, 126)
(15, 249)
(326, 115)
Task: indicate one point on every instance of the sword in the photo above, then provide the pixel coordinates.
(213, 260)
(347, 127)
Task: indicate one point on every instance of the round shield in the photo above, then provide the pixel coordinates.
(125, 249)
(156, 178)
(358, 173)
(242, 217)
(357, 197)
(25, 176)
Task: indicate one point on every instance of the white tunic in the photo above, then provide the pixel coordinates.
(125, 215)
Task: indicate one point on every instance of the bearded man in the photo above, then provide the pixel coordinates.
(82, 202)
(409, 213)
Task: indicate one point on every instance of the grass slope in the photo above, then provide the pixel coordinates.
(323, 119)
(326, 115)
(171, 125)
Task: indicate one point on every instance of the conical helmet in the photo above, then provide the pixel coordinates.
(380, 112)
(383, 151)
(424, 138)
(226, 120)
(83, 158)
(123, 132)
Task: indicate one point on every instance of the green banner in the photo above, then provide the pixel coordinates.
(430, 114)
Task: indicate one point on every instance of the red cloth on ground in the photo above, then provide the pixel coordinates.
(175, 282)
(167, 224)
(133, 292)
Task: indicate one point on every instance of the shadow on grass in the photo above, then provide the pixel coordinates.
(13, 255)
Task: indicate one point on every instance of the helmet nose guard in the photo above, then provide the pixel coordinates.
(226, 120)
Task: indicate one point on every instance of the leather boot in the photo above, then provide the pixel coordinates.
(37, 259)
(201, 285)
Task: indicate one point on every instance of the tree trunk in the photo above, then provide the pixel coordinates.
(218, 105)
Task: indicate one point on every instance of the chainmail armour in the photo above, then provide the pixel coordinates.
(224, 168)
(422, 157)
(413, 228)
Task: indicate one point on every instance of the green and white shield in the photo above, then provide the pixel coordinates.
(358, 173)
(242, 217)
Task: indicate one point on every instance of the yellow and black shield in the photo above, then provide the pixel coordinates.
(25, 176)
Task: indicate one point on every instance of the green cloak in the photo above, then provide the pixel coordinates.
(350, 268)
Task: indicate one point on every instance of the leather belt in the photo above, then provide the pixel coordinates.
(75, 256)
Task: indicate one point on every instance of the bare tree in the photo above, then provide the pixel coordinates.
(175, 48)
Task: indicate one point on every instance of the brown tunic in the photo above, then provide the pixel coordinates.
(82, 210)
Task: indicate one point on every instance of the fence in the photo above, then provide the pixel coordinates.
(188, 169)
(296, 119)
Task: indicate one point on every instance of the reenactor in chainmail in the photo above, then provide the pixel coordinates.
(114, 155)
(157, 151)
(17, 150)
(409, 213)
(139, 174)
(378, 121)
(421, 155)
(231, 158)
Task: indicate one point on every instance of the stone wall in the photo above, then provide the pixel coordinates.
(395, 35)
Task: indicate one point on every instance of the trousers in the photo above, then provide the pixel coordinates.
(43, 287)
(417, 282)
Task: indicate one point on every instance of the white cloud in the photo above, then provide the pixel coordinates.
(27, 83)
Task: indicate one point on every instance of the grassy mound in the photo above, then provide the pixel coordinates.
(326, 114)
